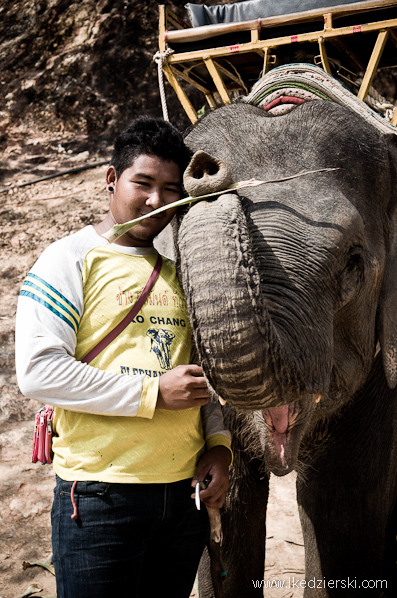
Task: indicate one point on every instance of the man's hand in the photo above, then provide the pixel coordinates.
(182, 388)
(214, 463)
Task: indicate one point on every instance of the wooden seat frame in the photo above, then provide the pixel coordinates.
(225, 80)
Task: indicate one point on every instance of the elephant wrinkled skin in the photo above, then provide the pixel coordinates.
(291, 287)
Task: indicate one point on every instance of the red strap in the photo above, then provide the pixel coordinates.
(283, 100)
(129, 317)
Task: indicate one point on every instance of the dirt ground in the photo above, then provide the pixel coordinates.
(31, 217)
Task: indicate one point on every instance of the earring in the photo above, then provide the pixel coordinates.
(110, 189)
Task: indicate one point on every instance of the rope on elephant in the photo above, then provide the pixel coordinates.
(160, 59)
(374, 99)
(282, 88)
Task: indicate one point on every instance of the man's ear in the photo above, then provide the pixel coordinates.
(387, 326)
(111, 176)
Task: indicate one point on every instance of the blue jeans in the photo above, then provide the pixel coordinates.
(130, 540)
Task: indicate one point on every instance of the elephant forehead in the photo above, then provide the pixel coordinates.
(316, 204)
(314, 135)
(243, 128)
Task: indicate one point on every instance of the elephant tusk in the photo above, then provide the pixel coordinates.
(214, 549)
(214, 517)
(317, 398)
(222, 401)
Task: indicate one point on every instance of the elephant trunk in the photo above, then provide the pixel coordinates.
(224, 303)
(240, 343)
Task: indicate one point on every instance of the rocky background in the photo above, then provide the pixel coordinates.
(72, 75)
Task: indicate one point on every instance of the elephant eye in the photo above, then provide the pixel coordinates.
(352, 275)
(354, 258)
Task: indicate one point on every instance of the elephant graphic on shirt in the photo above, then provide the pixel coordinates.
(160, 344)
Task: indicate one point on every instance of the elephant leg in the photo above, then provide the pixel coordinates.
(346, 501)
(244, 532)
(391, 554)
(344, 544)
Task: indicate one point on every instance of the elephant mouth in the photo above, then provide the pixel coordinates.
(284, 429)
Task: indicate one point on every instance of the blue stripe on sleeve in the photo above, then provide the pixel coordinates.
(56, 312)
(31, 284)
(54, 291)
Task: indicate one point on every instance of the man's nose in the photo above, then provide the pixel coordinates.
(155, 199)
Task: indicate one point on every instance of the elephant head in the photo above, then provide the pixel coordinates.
(290, 284)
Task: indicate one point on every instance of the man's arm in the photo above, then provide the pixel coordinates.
(215, 462)
(182, 388)
(47, 370)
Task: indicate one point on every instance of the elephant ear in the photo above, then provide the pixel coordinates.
(388, 298)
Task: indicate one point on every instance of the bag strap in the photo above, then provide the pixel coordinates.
(129, 317)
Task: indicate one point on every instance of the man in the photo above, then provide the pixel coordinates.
(129, 424)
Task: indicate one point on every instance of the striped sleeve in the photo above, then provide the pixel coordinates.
(39, 290)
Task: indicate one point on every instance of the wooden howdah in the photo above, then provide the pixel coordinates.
(223, 60)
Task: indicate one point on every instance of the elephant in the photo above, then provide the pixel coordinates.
(291, 287)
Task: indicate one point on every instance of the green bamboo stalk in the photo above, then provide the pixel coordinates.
(118, 230)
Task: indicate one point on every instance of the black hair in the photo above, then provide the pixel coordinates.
(151, 136)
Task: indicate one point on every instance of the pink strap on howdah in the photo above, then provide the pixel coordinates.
(129, 317)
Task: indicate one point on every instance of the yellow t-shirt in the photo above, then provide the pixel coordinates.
(156, 445)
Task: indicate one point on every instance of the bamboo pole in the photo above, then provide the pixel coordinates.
(162, 28)
(219, 83)
(323, 55)
(222, 51)
(182, 96)
(54, 175)
(183, 75)
(373, 64)
(208, 31)
(210, 99)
